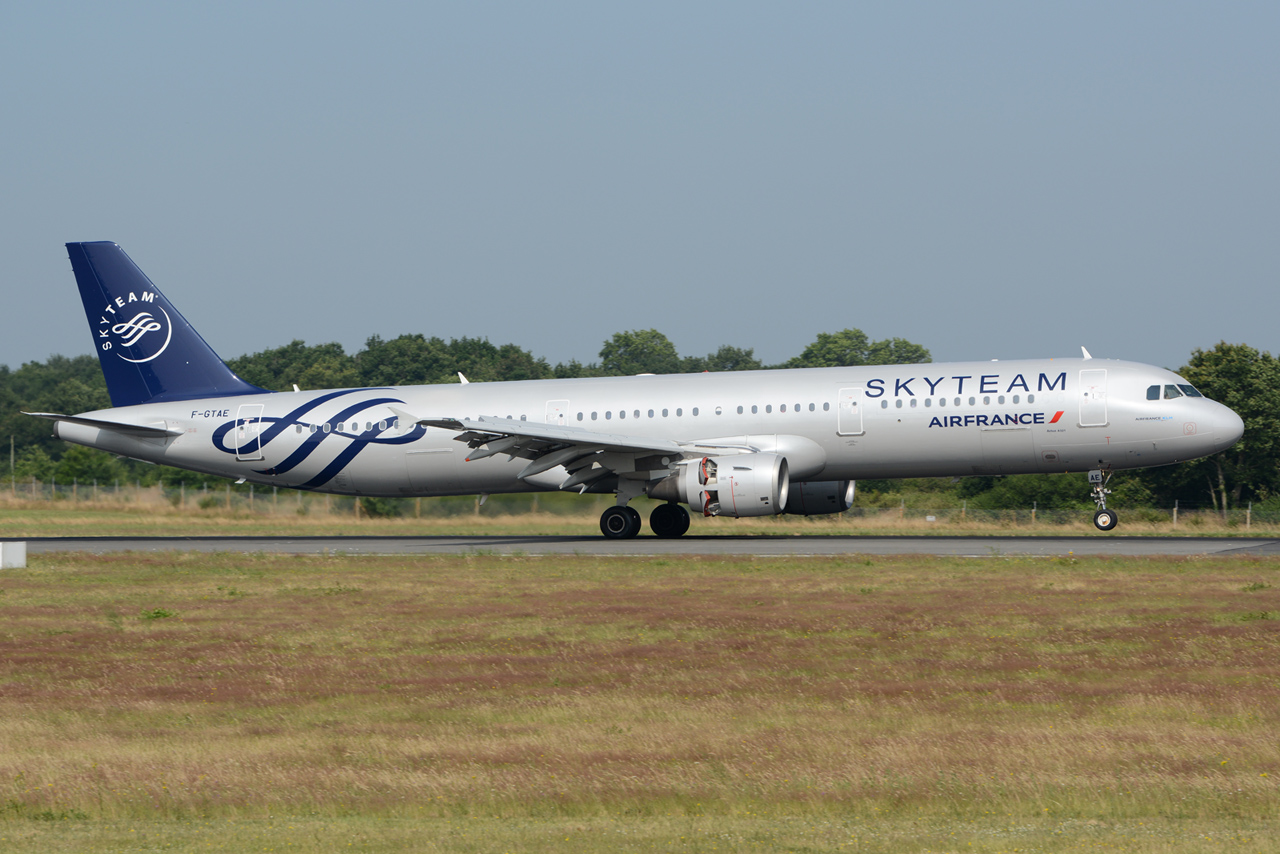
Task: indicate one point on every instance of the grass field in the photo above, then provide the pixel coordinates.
(275, 703)
(147, 512)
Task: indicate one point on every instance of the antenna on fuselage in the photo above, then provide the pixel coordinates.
(1086, 352)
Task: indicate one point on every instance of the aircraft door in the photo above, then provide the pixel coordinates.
(248, 432)
(1093, 398)
(849, 406)
(557, 412)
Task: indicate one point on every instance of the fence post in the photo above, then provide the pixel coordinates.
(1248, 516)
(902, 509)
(228, 496)
(964, 508)
(1175, 512)
(1034, 504)
(417, 508)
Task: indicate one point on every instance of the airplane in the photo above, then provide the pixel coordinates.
(738, 444)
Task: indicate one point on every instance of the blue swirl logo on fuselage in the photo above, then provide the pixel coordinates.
(357, 440)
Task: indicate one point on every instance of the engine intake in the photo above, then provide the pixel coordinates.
(739, 486)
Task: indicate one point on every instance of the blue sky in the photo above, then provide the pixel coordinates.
(990, 180)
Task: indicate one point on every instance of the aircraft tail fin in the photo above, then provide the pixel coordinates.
(148, 351)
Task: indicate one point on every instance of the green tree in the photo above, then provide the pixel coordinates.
(310, 367)
(852, 347)
(87, 465)
(727, 358)
(640, 351)
(1248, 381)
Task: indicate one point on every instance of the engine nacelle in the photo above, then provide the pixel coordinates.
(739, 485)
(814, 498)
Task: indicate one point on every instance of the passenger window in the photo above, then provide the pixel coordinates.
(327, 427)
(797, 407)
(298, 429)
(636, 413)
(928, 401)
(1015, 398)
(650, 413)
(972, 401)
(1000, 399)
(782, 408)
(382, 425)
(1153, 392)
(986, 401)
(957, 401)
(1171, 391)
(1189, 390)
(898, 403)
(739, 410)
(608, 414)
(913, 403)
(593, 416)
(664, 413)
(622, 413)
(579, 416)
(694, 411)
(755, 409)
(942, 401)
(679, 412)
(719, 411)
(769, 408)
(826, 407)
(812, 407)
(1031, 398)
(884, 404)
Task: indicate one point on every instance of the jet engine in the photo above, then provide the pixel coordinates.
(740, 485)
(814, 498)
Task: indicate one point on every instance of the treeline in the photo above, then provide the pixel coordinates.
(1240, 376)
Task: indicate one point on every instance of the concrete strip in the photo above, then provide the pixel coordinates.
(763, 545)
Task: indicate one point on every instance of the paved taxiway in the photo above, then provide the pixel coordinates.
(759, 545)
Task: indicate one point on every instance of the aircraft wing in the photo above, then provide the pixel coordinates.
(585, 454)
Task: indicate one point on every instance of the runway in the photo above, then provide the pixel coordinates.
(751, 545)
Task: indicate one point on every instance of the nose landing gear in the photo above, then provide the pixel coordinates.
(1104, 519)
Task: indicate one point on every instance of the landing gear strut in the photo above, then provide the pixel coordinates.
(669, 520)
(1104, 519)
(620, 523)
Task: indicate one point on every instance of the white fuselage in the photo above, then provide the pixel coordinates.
(945, 419)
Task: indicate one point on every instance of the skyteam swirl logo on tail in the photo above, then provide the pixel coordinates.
(137, 325)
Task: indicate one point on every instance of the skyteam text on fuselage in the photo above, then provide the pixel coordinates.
(750, 443)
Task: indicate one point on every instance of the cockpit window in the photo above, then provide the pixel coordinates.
(1171, 391)
(1153, 392)
(1189, 390)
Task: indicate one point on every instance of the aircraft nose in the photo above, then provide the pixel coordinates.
(1228, 427)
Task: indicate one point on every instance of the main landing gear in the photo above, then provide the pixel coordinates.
(619, 523)
(669, 520)
(1104, 519)
(623, 523)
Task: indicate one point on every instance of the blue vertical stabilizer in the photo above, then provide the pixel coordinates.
(147, 349)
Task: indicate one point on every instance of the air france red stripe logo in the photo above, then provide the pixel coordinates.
(1009, 419)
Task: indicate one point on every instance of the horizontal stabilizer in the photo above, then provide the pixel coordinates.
(142, 430)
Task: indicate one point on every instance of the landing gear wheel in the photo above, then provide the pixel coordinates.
(669, 521)
(619, 523)
(1105, 519)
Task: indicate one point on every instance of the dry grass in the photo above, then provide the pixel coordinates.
(146, 512)
(481, 703)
